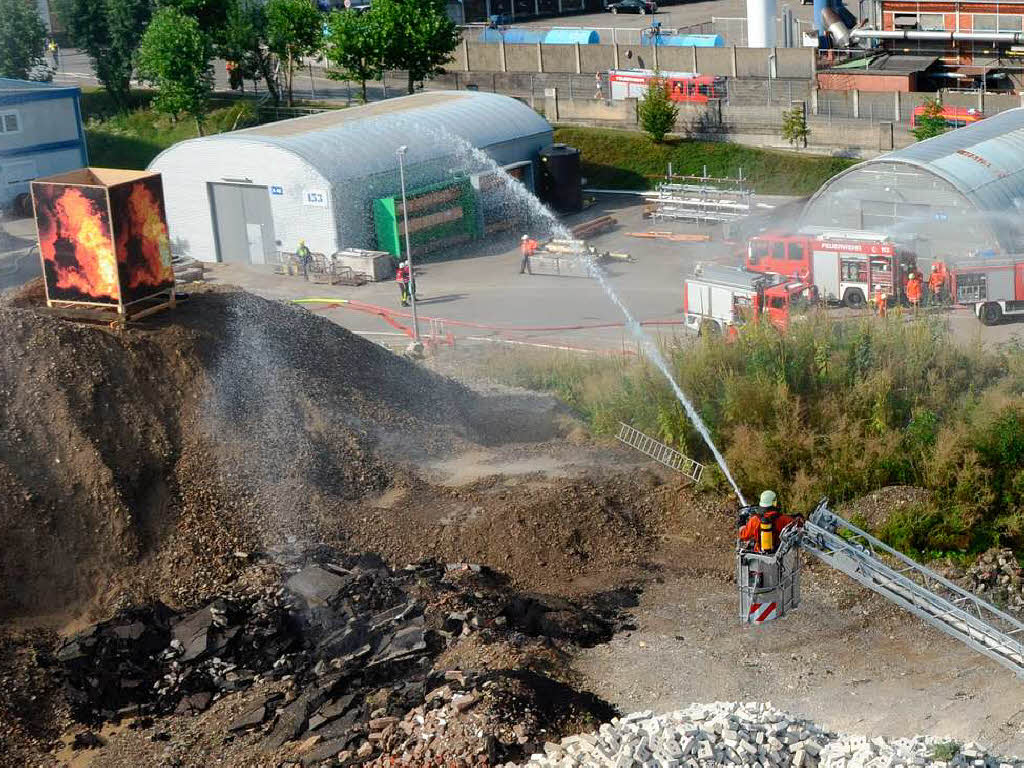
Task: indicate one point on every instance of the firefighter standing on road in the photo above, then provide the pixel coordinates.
(304, 257)
(881, 301)
(527, 246)
(936, 283)
(404, 280)
(914, 290)
(763, 528)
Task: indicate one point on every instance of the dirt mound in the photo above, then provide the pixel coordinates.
(202, 434)
(877, 507)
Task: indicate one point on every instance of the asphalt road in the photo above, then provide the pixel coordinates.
(482, 299)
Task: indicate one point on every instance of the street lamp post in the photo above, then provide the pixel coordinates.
(408, 245)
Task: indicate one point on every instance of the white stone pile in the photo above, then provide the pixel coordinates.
(748, 734)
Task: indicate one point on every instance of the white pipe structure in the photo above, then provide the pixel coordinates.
(761, 23)
(946, 37)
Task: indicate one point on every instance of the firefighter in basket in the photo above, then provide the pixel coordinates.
(761, 526)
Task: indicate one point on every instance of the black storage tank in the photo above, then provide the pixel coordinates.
(561, 182)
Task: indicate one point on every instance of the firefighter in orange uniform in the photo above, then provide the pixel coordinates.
(936, 283)
(527, 247)
(762, 529)
(914, 291)
(881, 301)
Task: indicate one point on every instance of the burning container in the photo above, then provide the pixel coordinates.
(561, 181)
(103, 239)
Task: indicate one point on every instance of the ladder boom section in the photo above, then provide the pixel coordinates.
(660, 452)
(918, 589)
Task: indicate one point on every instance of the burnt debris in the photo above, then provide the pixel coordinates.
(339, 628)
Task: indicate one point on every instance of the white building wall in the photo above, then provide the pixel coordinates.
(189, 167)
(40, 123)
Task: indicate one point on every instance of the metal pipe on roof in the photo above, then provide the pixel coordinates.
(948, 37)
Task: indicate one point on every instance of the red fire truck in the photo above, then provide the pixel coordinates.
(682, 86)
(717, 297)
(993, 288)
(843, 267)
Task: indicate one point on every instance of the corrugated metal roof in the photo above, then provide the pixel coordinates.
(9, 85)
(360, 141)
(984, 161)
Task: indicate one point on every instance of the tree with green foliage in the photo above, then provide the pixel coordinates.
(794, 126)
(417, 36)
(212, 15)
(245, 42)
(930, 122)
(657, 112)
(22, 38)
(175, 56)
(109, 31)
(294, 30)
(354, 47)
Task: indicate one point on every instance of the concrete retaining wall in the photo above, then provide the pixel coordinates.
(524, 57)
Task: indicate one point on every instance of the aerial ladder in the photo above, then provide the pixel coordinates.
(769, 585)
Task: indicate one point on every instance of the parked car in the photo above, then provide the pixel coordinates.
(634, 6)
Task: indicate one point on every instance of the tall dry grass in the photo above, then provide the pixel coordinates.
(830, 408)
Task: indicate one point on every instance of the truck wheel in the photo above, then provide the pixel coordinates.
(990, 314)
(854, 298)
(709, 328)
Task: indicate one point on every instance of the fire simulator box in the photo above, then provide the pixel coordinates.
(103, 237)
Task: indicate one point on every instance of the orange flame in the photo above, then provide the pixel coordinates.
(143, 244)
(84, 226)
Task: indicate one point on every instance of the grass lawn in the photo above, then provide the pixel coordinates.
(614, 159)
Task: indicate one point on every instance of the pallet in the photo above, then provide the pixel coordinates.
(112, 315)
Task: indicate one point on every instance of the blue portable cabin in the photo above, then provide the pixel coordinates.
(40, 134)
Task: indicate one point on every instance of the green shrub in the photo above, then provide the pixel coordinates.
(830, 408)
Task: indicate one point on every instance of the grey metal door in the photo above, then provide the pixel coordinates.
(826, 274)
(243, 223)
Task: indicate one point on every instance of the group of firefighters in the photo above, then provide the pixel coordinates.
(915, 290)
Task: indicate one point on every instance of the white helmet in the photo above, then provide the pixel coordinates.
(404, 264)
(525, 237)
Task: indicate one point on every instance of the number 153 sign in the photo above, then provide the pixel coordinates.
(315, 197)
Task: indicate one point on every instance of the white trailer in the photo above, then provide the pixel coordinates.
(717, 296)
(994, 289)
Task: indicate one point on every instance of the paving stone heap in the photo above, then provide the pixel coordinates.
(749, 734)
(998, 577)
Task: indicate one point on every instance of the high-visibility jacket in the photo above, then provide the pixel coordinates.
(936, 281)
(402, 275)
(528, 247)
(914, 290)
(752, 530)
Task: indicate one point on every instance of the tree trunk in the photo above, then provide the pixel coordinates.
(411, 83)
(199, 125)
(363, 85)
(268, 78)
(290, 74)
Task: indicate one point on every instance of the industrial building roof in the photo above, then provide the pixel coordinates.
(19, 91)
(360, 141)
(984, 161)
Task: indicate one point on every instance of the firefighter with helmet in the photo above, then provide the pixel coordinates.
(760, 529)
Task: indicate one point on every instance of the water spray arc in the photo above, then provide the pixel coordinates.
(520, 199)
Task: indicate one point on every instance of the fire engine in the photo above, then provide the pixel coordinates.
(682, 86)
(843, 267)
(993, 288)
(718, 297)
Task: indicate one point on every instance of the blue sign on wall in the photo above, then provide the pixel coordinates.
(277, 190)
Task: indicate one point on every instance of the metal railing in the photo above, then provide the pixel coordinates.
(953, 610)
(660, 452)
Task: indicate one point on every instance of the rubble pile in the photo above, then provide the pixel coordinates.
(752, 734)
(999, 578)
(353, 643)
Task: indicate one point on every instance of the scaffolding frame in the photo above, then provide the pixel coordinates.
(703, 199)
